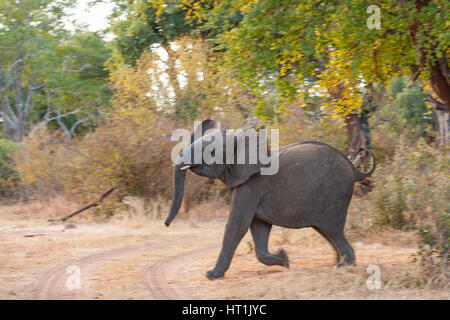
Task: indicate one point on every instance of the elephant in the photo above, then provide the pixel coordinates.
(312, 188)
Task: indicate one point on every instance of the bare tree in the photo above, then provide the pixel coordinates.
(68, 131)
(16, 97)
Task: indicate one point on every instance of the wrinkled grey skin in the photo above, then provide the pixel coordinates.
(313, 188)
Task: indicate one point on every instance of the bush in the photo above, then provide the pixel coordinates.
(405, 112)
(130, 151)
(40, 162)
(9, 179)
(411, 192)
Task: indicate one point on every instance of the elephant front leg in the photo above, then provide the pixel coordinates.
(239, 220)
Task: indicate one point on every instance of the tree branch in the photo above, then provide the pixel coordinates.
(437, 104)
(94, 204)
(47, 117)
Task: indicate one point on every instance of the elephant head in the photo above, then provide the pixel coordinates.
(229, 172)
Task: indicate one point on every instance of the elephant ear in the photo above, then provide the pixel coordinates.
(236, 174)
(206, 125)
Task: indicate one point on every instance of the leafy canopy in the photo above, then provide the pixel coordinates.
(295, 45)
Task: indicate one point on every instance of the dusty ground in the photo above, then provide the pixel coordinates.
(139, 258)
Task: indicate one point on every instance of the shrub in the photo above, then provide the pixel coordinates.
(411, 191)
(40, 162)
(130, 151)
(9, 179)
(404, 113)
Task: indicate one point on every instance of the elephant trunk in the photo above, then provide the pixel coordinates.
(179, 176)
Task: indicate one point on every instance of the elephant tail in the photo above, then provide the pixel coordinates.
(359, 176)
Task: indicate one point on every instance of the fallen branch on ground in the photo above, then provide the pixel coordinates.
(94, 204)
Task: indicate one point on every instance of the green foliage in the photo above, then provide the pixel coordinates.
(79, 80)
(45, 69)
(412, 108)
(286, 44)
(9, 179)
(139, 24)
(82, 55)
(396, 85)
(405, 111)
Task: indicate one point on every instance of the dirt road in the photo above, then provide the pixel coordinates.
(160, 278)
(142, 259)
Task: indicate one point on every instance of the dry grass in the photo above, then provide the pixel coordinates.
(312, 274)
(30, 247)
(38, 209)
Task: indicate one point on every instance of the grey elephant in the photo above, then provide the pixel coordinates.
(313, 188)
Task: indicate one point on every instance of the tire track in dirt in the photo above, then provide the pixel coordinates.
(162, 278)
(53, 284)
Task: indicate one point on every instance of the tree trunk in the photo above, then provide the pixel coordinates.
(440, 82)
(358, 124)
(359, 135)
(358, 131)
(443, 126)
(8, 130)
(438, 67)
(20, 130)
(442, 120)
(173, 79)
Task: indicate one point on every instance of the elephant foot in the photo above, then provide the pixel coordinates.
(279, 259)
(345, 261)
(213, 274)
(284, 257)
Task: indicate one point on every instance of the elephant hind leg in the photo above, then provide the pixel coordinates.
(344, 251)
(260, 232)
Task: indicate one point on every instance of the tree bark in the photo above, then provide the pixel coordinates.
(359, 134)
(358, 124)
(438, 67)
(443, 126)
(442, 120)
(173, 79)
(440, 83)
(358, 131)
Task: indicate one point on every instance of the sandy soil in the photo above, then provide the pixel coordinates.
(139, 258)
